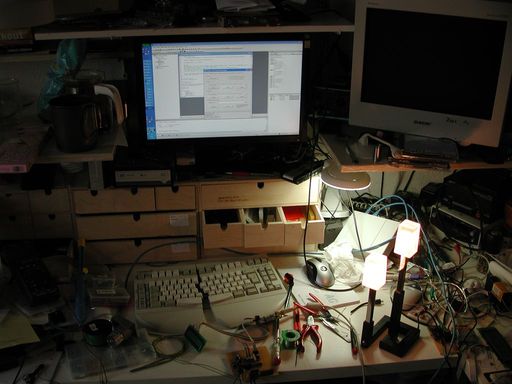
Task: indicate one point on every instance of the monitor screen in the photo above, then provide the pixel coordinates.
(223, 89)
(432, 68)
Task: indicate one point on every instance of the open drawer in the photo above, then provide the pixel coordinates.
(261, 227)
(222, 228)
(295, 224)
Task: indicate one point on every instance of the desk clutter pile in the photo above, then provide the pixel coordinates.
(454, 292)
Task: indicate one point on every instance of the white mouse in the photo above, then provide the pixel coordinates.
(320, 273)
(411, 296)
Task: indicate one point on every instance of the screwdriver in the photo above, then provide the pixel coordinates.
(276, 347)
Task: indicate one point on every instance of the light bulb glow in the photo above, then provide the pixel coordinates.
(374, 271)
(407, 239)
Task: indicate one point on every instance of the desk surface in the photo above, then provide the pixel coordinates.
(335, 360)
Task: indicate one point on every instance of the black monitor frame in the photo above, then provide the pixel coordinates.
(171, 144)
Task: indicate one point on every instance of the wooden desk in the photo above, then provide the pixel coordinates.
(335, 360)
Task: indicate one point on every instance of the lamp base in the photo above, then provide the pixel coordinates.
(372, 332)
(408, 336)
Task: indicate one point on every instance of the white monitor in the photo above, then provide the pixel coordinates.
(432, 68)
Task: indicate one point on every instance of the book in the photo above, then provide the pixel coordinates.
(16, 40)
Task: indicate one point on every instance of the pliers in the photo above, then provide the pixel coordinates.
(322, 312)
(311, 329)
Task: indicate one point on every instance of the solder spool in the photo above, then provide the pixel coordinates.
(96, 331)
(289, 338)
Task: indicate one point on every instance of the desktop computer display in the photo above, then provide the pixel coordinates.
(223, 89)
(432, 68)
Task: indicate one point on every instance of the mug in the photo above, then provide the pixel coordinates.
(75, 122)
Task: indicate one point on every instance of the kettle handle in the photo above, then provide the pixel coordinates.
(112, 92)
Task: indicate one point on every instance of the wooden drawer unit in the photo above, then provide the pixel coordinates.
(52, 225)
(137, 225)
(228, 217)
(16, 226)
(265, 193)
(114, 200)
(14, 202)
(49, 201)
(127, 251)
(181, 198)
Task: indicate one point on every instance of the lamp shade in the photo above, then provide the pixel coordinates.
(374, 271)
(348, 181)
(407, 238)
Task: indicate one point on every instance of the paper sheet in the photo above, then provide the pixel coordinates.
(16, 330)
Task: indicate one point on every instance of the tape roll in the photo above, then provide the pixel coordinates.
(96, 332)
(289, 338)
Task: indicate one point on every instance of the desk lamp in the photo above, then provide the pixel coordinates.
(374, 277)
(401, 337)
(346, 181)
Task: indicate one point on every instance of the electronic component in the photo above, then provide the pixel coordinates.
(250, 364)
(301, 173)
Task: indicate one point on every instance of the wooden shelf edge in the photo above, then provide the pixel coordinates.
(341, 25)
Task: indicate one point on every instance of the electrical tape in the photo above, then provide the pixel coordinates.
(289, 338)
(96, 331)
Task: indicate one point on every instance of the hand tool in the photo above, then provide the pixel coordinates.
(310, 328)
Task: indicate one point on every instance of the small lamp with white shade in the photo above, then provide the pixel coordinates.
(374, 277)
(401, 337)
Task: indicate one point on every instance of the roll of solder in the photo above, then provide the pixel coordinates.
(289, 338)
(96, 332)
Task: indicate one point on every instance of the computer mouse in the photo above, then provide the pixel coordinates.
(411, 296)
(320, 273)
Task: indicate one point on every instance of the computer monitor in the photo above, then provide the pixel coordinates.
(432, 68)
(223, 89)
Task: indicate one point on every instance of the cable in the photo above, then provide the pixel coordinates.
(22, 362)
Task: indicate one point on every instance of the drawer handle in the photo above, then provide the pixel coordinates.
(48, 191)
(52, 216)
(175, 188)
(12, 218)
(223, 226)
(93, 192)
(261, 184)
(137, 242)
(136, 216)
(134, 190)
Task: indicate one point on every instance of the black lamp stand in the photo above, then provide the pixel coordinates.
(401, 337)
(370, 332)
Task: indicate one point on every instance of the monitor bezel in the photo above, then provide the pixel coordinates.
(233, 140)
(462, 129)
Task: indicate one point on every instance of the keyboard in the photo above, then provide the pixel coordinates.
(224, 293)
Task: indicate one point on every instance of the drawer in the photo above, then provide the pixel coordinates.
(267, 193)
(222, 228)
(114, 200)
(127, 251)
(230, 228)
(14, 227)
(14, 202)
(256, 234)
(294, 227)
(52, 225)
(51, 201)
(181, 198)
(122, 226)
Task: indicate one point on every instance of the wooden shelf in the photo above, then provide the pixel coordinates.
(104, 150)
(333, 24)
(337, 148)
